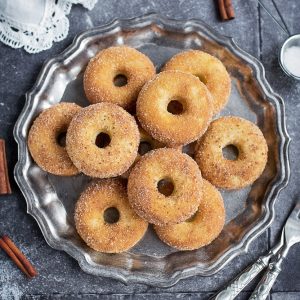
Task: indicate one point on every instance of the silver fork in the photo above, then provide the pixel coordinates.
(290, 235)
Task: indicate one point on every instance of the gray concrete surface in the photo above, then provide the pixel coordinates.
(59, 275)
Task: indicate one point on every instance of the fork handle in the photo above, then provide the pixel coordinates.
(263, 288)
(243, 279)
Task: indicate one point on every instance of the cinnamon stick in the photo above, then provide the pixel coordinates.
(13, 257)
(4, 180)
(229, 9)
(226, 10)
(222, 10)
(25, 262)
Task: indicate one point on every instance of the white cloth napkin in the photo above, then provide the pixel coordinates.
(36, 24)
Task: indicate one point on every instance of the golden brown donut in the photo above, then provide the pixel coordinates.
(110, 64)
(252, 153)
(102, 140)
(99, 227)
(44, 135)
(208, 69)
(202, 228)
(178, 178)
(174, 108)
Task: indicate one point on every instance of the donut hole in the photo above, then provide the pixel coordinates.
(202, 78)
(192, 218)
(120, 80)
(166, 187)
(111, 215)
(61, 139)
(102, 140)
(175, 107)
(230, 152)
(144, 147)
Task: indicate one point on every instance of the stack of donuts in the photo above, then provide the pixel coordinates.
(131, 141)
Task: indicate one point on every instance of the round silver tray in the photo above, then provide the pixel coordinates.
(50, 199)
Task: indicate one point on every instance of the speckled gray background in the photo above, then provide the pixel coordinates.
(60, 276)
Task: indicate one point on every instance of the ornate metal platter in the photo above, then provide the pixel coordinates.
(50, 199)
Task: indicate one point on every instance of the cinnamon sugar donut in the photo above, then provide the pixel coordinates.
(104, 218)
(117, 74)
(202, 228)
(44, 137)
(165, 186)
(102, 140)
(252, 153)
(175, 108)
(208, 69)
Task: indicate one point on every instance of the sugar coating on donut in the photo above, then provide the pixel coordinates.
(202, 228)
(90, 220)
(169, 165)
(109, 63)
(43, 141)
(252, 153)
(176, 128)
(209, 69)
(109, 161)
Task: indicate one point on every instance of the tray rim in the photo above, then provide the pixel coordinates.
(269, 212)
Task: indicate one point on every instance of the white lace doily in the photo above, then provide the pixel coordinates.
(36, 24)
